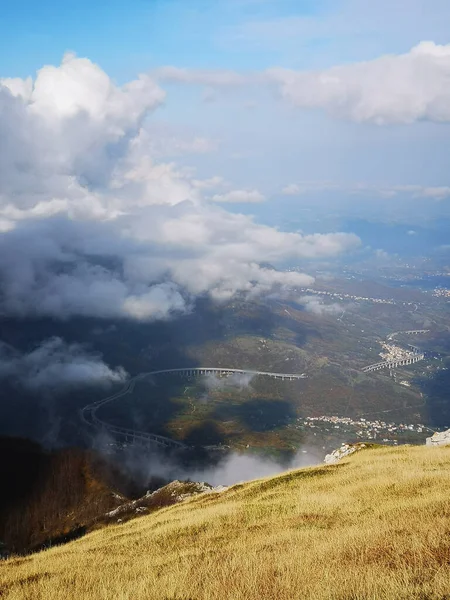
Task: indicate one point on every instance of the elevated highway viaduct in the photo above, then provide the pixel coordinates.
(149, 440)
(393, 364)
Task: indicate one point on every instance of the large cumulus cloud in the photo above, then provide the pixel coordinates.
(66, 129)
(92, 225)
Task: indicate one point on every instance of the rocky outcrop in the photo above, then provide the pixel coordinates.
(342, 452)
(172, 493)
(440, 438)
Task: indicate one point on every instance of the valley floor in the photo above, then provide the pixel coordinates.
(376, 526)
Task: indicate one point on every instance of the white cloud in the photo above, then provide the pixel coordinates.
(68, 132)
(382, 254)
(414, 191)
(239, 196)
(56, 364)
(390, 89)
(22, 88)
(291, 190)
(78, 86)
(384, 191)
(395, 88)
(154, 303)
(237, 380)
(437, 192)
(211, 183)
(93, 225)
(316, 305)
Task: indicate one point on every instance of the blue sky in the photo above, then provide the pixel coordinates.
(257, 140)
(126, 37)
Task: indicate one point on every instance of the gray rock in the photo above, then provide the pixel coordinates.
(440, 438)
(342, 452)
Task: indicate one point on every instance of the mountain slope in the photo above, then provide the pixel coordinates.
(50, 496)
(375, 526)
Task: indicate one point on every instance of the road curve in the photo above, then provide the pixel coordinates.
(89, 416)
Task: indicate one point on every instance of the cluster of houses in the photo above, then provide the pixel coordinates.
(363, 428)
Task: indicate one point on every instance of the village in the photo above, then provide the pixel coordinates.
(441, 292)
(378, 430)
(393, 353)
(342, 296)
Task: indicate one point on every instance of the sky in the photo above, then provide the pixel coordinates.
(153, 152)
(262, 135)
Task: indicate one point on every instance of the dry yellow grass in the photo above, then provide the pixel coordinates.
(376, 526)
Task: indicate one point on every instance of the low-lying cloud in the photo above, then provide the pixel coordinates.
(237, 380)
(236, 467)
(229, 469)
(316, 305)
(56, 365)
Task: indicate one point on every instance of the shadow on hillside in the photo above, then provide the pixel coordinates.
(75, 534)
(150, 408)
(205, 434)
(437, 391)
(22, 466)
(258, 414)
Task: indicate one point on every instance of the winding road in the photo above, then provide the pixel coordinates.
(88, 414)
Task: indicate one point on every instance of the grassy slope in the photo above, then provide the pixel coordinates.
(376, 526)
